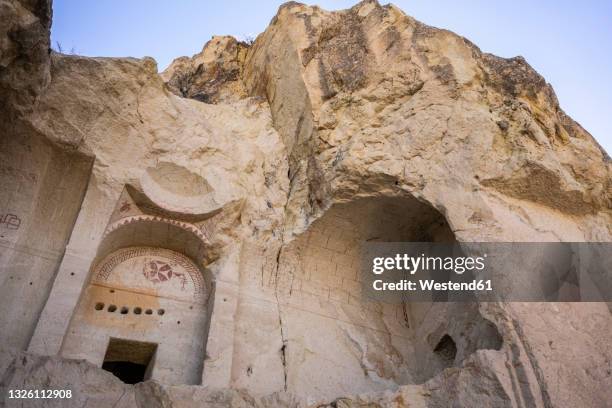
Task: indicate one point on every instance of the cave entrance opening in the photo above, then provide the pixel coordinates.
(129, 360)
(363, 345)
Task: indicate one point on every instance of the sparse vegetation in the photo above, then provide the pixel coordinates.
(249, 40)
(59, 48)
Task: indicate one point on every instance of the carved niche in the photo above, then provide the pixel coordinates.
(152, 271)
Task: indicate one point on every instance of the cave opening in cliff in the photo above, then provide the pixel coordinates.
(446, 350)
(129, 360)
(367, 345)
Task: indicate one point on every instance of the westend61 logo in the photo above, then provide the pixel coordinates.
(466, 272)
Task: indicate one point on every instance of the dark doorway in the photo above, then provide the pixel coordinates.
(129, 360)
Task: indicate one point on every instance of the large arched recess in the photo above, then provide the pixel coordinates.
(147, 285)
(335, 342)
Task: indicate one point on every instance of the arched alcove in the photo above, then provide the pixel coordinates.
(145, 310)
(356, 345)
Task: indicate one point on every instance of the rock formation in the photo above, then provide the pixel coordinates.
(213, 76)
(215, 211)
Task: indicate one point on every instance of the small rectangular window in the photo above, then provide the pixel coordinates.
(129, 360)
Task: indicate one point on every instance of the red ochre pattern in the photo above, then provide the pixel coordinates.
(106, 266)
(154, 218)
(158, 271)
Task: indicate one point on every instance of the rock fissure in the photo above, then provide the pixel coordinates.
(284, 342)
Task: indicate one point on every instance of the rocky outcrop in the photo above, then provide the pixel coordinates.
(214, 75)
(31, 168)
(90, 386)
(24, 62)
(276, 159)
(495, 108)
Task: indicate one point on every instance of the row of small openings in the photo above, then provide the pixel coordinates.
(126, 310)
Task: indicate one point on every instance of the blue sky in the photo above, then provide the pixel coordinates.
(568, 42)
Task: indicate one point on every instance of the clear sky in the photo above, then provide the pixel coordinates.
(568, 42)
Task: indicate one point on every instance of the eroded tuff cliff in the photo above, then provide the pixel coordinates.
(328, 120)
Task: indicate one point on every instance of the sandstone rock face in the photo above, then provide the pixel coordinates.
(38, 178)
(212, 76)
(263, 167)
(24, 62)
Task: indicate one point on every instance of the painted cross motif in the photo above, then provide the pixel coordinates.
(158, 271)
